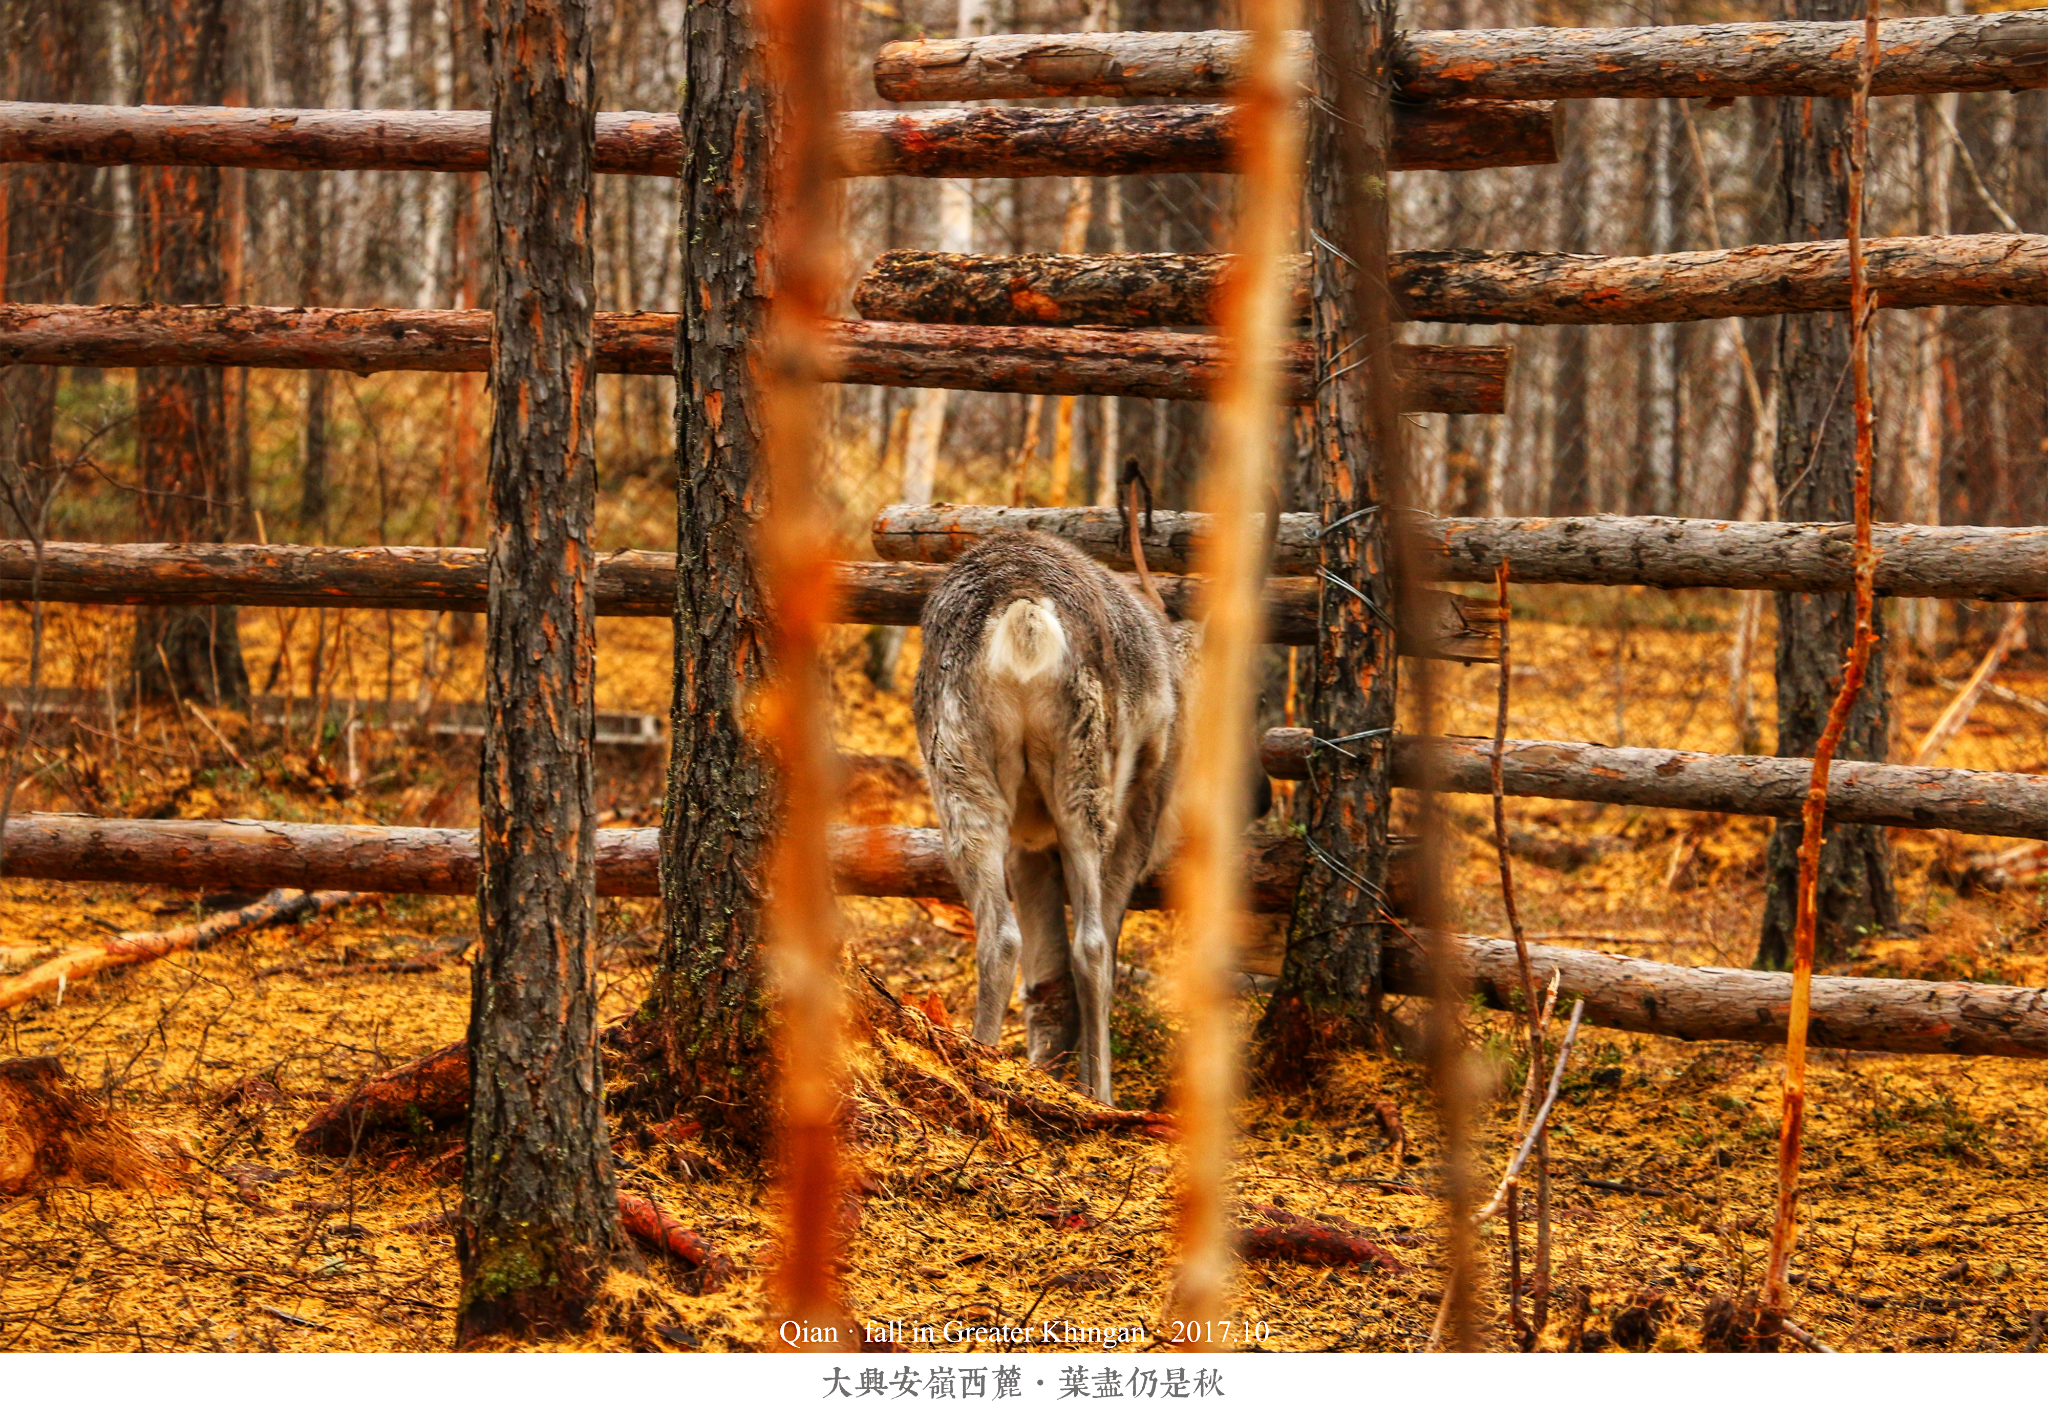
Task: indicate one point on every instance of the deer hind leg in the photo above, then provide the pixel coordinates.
(1051, 1024)
(977, 860)
(1092, 954)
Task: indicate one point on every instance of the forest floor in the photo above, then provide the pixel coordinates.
(1925, 1202)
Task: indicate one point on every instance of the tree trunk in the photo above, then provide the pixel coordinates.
(1328, 995)
(1816, 481)
(187, 493)
(1571, 490)
(709, 1006)
(539, 1205)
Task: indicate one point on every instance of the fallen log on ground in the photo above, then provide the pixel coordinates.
(660, 1231)
(629, 584)
(1914, 560)
(940, 143)
(1138, 289)
(429, 1093)
(129, 949)
(1301, 1240)
(1736, 1005)
(1158, 365)
(1933, 55)
(1992, 802)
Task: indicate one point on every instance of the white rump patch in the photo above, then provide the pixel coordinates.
(1026, 641)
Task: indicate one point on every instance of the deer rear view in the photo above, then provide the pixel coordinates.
(1048, 707)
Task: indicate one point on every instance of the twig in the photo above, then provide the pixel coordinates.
(1535, 1132)
(1792, 1120)
(1529, 1006)
(2011, 634)
(214, 731)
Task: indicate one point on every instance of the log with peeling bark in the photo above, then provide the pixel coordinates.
(126, 950)
(958, 143)
(1467, 285)
(1931, 55)
(887, 861)
(1941, 54)
(1993, 802)
(427, 1093)
(1159, 365)
(1301, 1240)
(1914, 560)
(1737, 1005)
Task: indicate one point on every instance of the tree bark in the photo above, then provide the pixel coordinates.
(1909, 797)
(1815, 470)
(1517, 288)
(961, 143)
(1730, 1005)
(1610, 550)
(888, 861)
(1327, 996)
(539, 1204)
(1928, 55)
(187, 491)
(1160, 365)
(708, 1009)
(626, 584)
(1919, 56)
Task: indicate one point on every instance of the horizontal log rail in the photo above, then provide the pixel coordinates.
(956, 143)
(1865, 1014)
(891, 861)
(1990, 802)
(629, 583)
(1517, 288)
(1159, 365)
(1929, 55)
(1737, 1005)
(1612, 550)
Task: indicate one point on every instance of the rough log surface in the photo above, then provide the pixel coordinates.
(877, 860)
(627, 584)
(1931, 55)
(1466, 285)
(964, 143)
(1737, 1005)
(1201, 64)
(1992, 802)
(1160, 365)
(427, 1093)
(1565, 288)
(1990, 564)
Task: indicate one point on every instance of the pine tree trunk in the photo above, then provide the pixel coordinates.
(1816, 482)
(709, 1006)
(187, 493)
(539, 1204)
(1330, 978)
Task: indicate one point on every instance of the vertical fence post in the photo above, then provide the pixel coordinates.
(538, 1201)
(796, 719)
(1243, 460)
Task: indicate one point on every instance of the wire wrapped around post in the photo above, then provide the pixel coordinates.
(1218, 760)
(803, 927)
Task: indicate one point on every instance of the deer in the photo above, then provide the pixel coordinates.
(1049, 703)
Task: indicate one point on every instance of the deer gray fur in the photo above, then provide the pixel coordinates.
(1049, 700)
